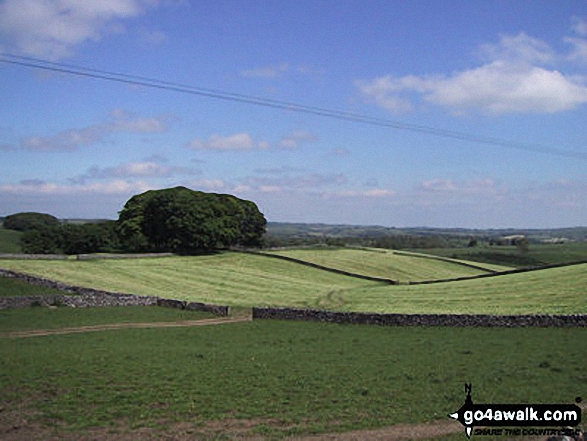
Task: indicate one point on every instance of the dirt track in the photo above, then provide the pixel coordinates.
(95, 328)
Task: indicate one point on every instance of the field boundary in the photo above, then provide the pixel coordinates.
(443, 259)
(81, 297)
(450, 320)
(321, 267)
(501, 273)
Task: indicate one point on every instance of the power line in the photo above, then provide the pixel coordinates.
(277, 104)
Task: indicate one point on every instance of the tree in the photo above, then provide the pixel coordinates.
(41, 240)
(88, 238)
(187, 221)
(29, 221)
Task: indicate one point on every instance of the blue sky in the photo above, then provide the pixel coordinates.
(513, 71)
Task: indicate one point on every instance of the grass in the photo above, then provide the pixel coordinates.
(248, 280)
(537, 254)
(14, 287)
(289, 377)
(10, 241)
(65, 317)
(234, 279)
(551, 291)
(386, 263)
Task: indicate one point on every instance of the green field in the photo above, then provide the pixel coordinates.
(13, 287)
(64, 317)
(234, 279)
(551, 291)
(278, 378)
(281, 378)
(10, 241)
(238, 279)
(537, 254)
(386, 263)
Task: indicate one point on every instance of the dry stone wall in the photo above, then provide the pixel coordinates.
(88, 297)
(452, 320)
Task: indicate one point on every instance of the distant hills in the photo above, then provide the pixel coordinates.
(286, 230)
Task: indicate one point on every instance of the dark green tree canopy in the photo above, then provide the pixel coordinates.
(29, 221)
(187, 221)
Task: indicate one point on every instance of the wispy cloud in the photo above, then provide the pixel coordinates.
(38, 187)
(54, 28)
(244, 141)
(72, 139)
(143, 169)
(272, 71)
(294, 140)
(237, 141)
(515, 79)
(287, 181)
(7, 147)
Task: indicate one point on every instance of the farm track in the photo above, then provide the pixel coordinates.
(114, 326)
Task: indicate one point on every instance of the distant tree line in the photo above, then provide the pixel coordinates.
(396, 242)
(171, 220)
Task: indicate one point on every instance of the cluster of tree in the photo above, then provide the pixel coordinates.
(71, 238)
(187, 221)
(30, 221)
(395, 242)
(176, 219)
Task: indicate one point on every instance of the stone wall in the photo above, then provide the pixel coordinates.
(78, 301)
(452, 320)
(500, 273)
(33, 256)
(324, 268)
(122, 256)
(88, 297)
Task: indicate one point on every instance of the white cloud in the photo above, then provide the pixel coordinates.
(579, 52)
(295, 139)
(519, 48)
(36, 187)
(372, 193)
(144, 169)
(208, 184)
(499, 87)
(244, 141)
(513, 81)
(72, 139)
(310, 180)
(272, 71)
(238, 141)
(579, 26)
(52, 29)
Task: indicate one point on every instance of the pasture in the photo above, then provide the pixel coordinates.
(246, 280)
(537, 254)
(10, 241)
(402, 266)
(64, 317)
(280, 378)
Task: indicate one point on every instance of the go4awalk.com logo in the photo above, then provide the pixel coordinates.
(543, 418)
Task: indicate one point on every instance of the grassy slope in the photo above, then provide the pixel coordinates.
(247, 280)
(296, 377)
(385, 263)
(45, 318)
(13, 287)
(227, 278)
(10, 241)
(555, 290)
(542, 254)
